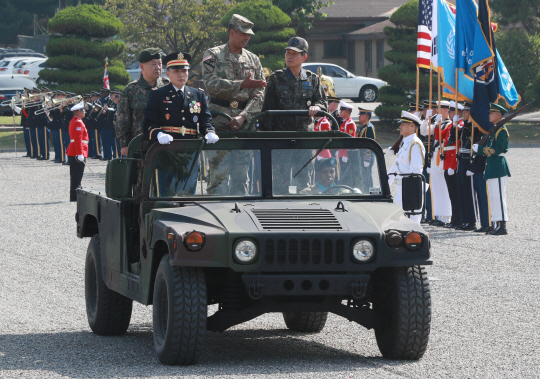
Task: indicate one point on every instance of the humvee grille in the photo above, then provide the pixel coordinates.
(297, 219)
(303, 251)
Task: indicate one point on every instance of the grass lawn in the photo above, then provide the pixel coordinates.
(8, 120)
(7, 140)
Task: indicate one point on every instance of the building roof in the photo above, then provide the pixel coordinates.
(372, 29)
(362, 8)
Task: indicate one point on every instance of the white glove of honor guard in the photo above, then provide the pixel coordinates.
(475, 148)
(211, 137)
(390, 151)
(80, 158)
(438, 118)
(391, 179)
(429, 113)
(455, 118)
(356, 190)
(366, 164)
(469, 173)
(164, 138)
(344, 159)
(451, 171)
(428, 170)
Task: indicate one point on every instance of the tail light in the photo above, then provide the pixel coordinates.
(26, 72)
(3, 69)
(19, 71)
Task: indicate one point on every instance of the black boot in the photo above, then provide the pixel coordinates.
(501, 230)
(494, 227)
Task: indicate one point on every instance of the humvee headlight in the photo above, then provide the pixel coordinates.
(245, 251)
(413, 241)
(363, 251)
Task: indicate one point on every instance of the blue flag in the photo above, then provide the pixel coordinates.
(506, 85)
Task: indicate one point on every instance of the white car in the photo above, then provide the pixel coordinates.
(348, 85)
(7, 65)
(33, 69)
(21, 67)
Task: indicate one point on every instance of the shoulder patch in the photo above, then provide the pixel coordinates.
(207, 58)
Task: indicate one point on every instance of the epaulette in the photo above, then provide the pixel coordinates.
(200, 89)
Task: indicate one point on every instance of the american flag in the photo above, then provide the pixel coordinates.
(106, 77)
(423, 51)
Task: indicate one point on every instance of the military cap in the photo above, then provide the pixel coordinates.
(444, 104)
(497, 108)
(413, 105)
(177, 60)
(364, 111)
(43, 88)
(71, 93)
(453, 106)
(427, 103)
(241, 23)
(326, 162)
(344, 105)
(116, 91)
(95, 93)
(77, 107)
(86, 95)
(409, 117)
(103, 89)
(466, 106)
(28, 89)
(333, 98)
(298, 44)
(148, 54)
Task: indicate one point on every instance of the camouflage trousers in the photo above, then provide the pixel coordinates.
(228, 172)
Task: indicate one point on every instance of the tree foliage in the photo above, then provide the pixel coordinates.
(87, 20)
(303, 9)
(172, 25)
(526, 12)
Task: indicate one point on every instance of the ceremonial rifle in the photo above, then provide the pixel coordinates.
(395, 147)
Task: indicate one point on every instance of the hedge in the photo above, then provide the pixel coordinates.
(117, 75)
(85, 20)
(406, 57)
(263, 14)
(84, 47)
(273, 35)
(72, 62)
(388, 112)
(406, 15)
(268, 48)
(273, 62)
(392, 95)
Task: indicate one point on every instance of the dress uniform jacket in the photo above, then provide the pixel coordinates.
(338, 118)
(496, 147)
(166, 112)
(367, 131)
(450, 148)
(322, 125)
(78, 134)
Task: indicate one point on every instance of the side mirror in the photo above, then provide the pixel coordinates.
(412, 193)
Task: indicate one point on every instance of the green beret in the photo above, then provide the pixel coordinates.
(497, 108)
(148, 54)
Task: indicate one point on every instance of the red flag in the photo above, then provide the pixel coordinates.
(106, 78)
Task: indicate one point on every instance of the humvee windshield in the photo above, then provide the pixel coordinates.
(294, 173)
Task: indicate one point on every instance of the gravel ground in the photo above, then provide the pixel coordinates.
(485, 292)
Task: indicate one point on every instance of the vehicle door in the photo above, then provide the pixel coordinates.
(344, 85)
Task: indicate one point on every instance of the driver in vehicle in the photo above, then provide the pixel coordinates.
(325, 176)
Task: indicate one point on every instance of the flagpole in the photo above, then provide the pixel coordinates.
(456, 126)
(439, 112)
(417, 93)
(430, 106)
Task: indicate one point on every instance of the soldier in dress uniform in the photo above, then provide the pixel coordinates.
(333, 109)
(130, 113)
(497, 170)
(105, 122)
(409, 158)
(24, 124)
(64, 135)
(56, 121)
(77, 150)
(94, 150)
(366, 130)
(234, 77)
(427, 117)
(40, 122)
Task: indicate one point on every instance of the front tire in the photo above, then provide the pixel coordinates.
(179, 314)
(402, 301)
(108, 312)
(305, 322)
(368, 93)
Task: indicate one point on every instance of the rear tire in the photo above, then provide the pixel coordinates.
(402, 301)
(179, 314)
(108, 312)
(368, 93)
(305, 322)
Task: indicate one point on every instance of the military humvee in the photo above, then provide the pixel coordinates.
(248, 224)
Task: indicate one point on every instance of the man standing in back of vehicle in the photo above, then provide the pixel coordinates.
(130, 109)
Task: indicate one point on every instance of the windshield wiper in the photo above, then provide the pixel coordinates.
(313, 157)
(195, 160)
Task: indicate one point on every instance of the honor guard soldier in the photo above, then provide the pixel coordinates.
(366, 130)
(40, 122)
(427, 107)
(106, 124)
(24, 124)
(409, 158)
(56, 121)
(130, 113)
(94, 151)
(234, 77)
(77, 149)
(497, 170)
(64, 136)
(177, 111)
(333, 109)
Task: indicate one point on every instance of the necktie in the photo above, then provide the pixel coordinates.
(181, 95)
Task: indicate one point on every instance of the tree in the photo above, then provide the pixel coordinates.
(526, 12)
(271, 32)
(401, 74)
(172, 25)
(79, 47)
(302, 10)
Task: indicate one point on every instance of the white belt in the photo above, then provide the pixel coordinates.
(449, 148)
(83, 141)
(464, 151)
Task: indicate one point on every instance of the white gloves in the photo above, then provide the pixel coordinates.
(164, 138)
(438, 118)
(390, 151)
(469, 173)
(391, 179)
(356, 190)
(211, 137)
(475, 148)
(344, 159)
(80, 158)
(451, 171)
(429, 113)
(428, 170)
(455, 118)
(366, 164)
(418, 114)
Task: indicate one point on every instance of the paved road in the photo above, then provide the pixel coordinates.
(486, 300)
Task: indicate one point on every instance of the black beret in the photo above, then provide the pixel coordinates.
(148, 54)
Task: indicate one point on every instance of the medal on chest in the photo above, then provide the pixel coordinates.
(195, 107)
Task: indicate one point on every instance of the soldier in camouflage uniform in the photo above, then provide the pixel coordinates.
(133, 100)
(293, 88)
(234, 78)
